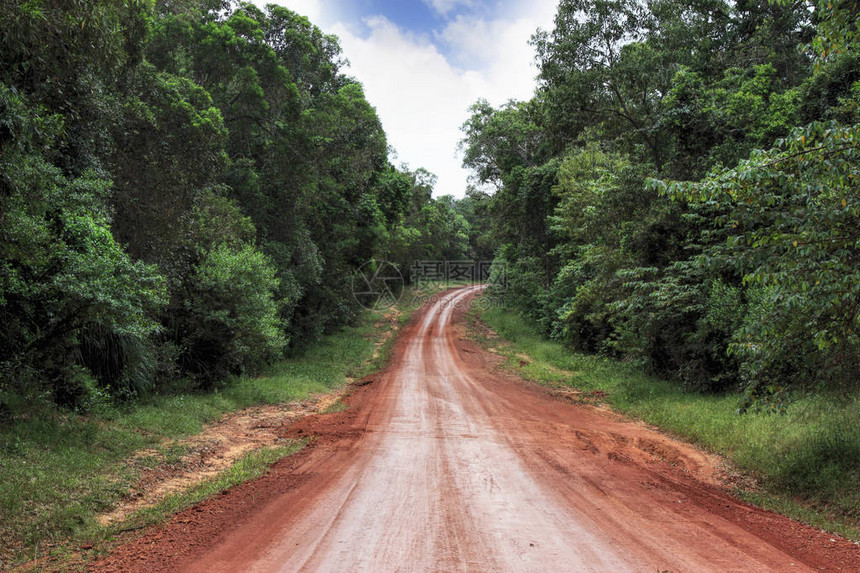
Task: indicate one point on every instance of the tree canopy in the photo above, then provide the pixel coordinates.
(682, 189)
(186, 188)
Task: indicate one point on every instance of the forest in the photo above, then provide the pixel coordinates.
(186, 188)
(683, 191)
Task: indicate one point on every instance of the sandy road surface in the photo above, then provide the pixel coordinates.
(441, 465)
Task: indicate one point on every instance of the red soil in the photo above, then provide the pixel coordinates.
(441, 463)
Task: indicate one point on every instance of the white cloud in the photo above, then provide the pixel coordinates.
(423, 85)
(419, 97)
(422, 96)
(490, 45)
(318, 12)
(445, 6)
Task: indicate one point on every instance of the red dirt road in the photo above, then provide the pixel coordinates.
(442, 464)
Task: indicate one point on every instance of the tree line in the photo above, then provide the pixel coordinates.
(683, 190)
(186, 187)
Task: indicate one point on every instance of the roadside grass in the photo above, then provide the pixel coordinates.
(59, 470)
(806, 462)
(250, 466)
(336, 406)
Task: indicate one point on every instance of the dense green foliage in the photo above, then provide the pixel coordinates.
(682, 190)
(186, 188)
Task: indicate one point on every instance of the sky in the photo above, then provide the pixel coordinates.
(424, 62)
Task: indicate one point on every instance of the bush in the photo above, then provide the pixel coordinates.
(231, 322)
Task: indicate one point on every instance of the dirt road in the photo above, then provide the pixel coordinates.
(440, 464)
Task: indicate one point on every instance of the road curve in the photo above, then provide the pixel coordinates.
(443, 465)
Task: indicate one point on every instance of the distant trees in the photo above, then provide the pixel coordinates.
(186, 188)
(744, 273)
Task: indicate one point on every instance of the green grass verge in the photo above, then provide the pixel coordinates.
(59, 470)
(807, 461)
(250, 466)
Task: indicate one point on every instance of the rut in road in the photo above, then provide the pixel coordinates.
(448, 467)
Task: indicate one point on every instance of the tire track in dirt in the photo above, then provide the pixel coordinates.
(442, 463)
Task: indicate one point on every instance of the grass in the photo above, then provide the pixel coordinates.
(59, 470)
(337, 406)
(807, 461)
(250, 466)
